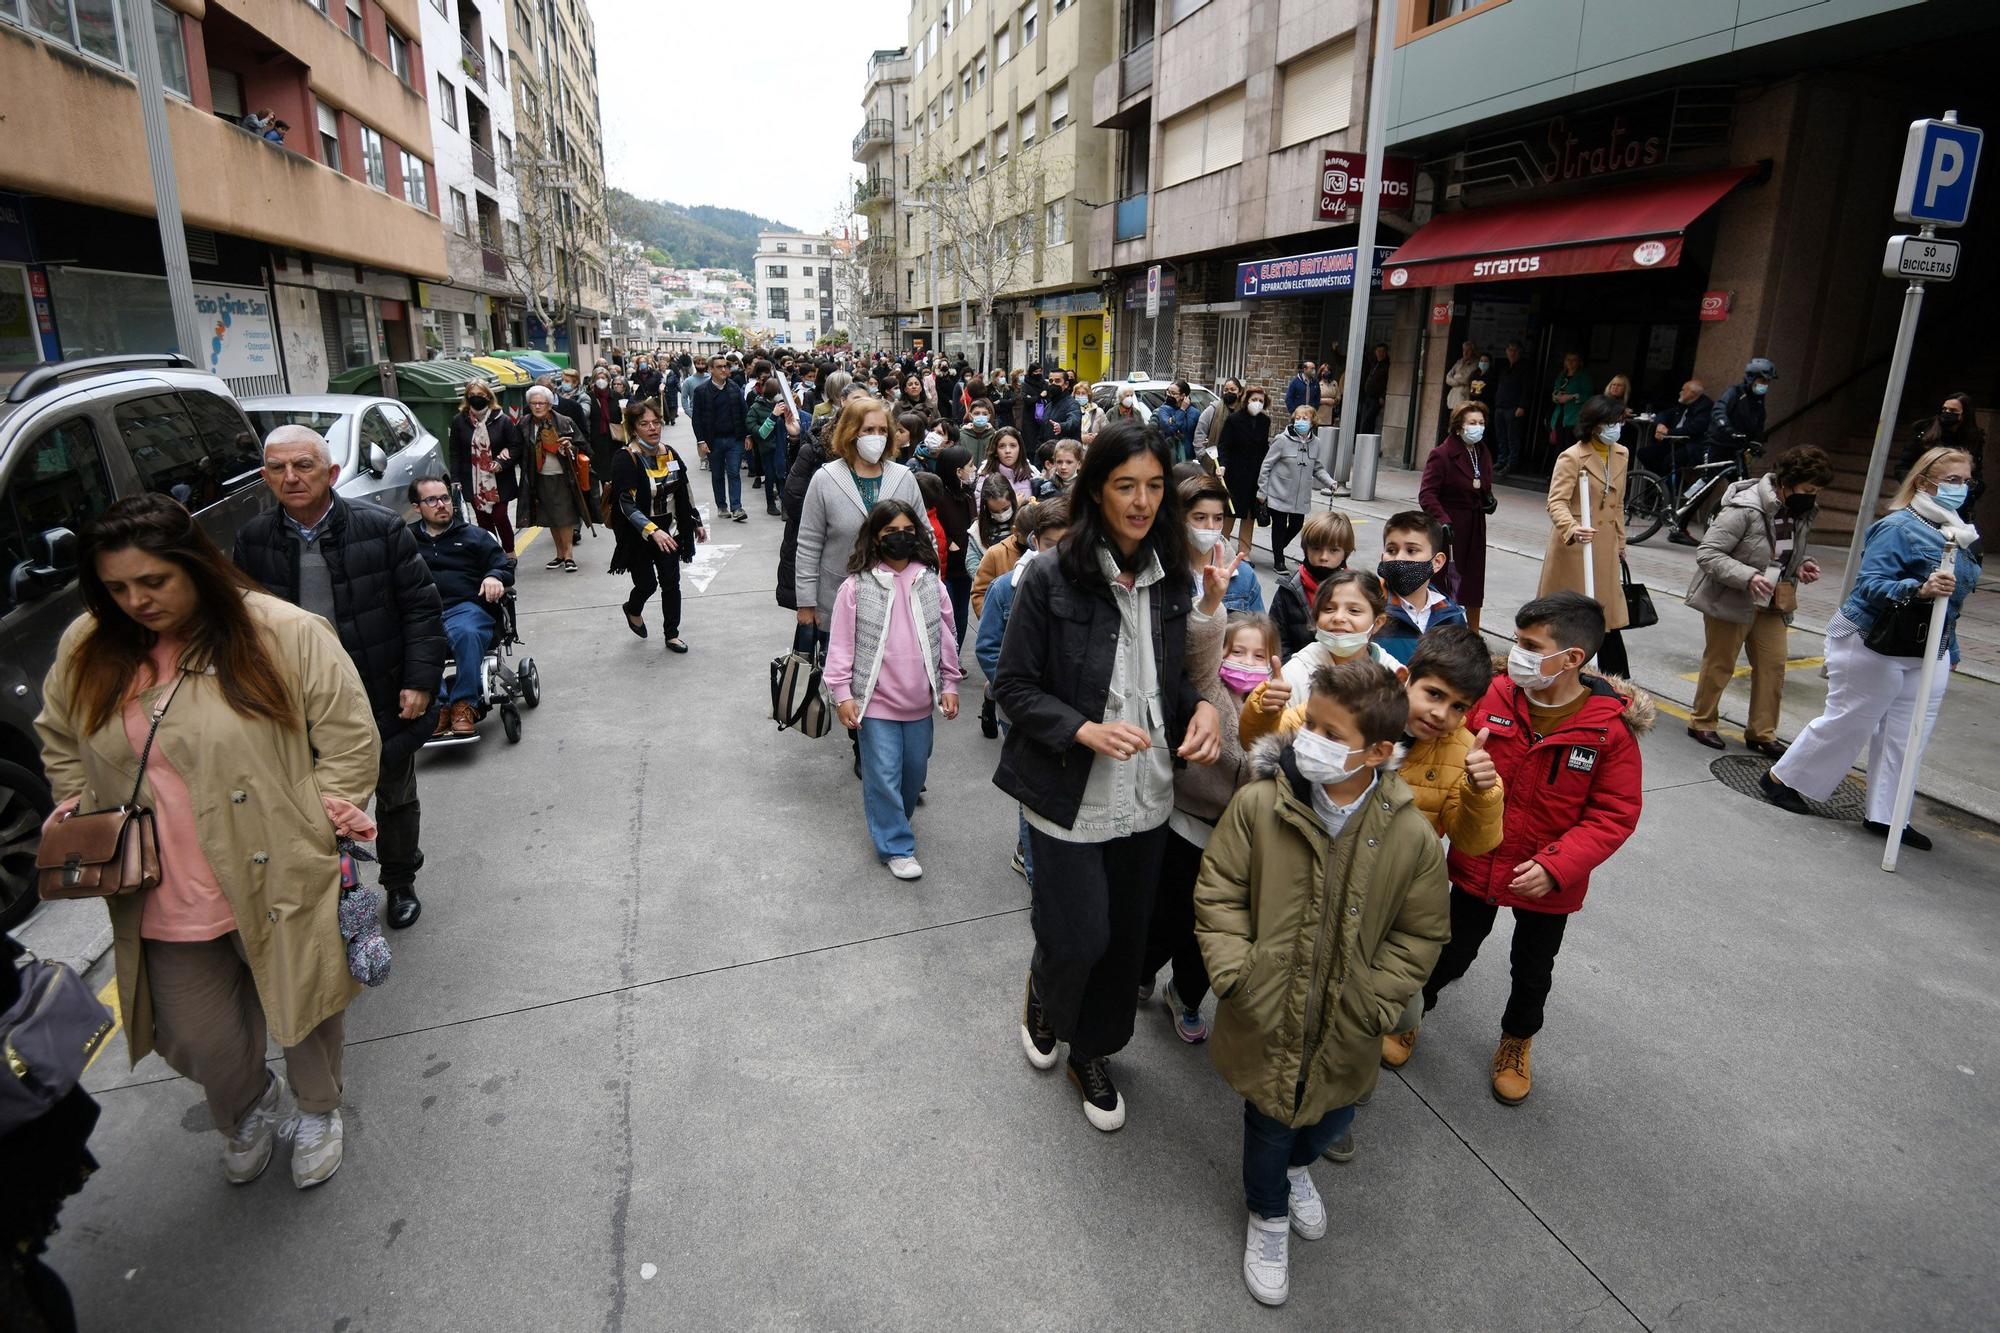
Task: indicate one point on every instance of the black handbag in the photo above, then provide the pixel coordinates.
(1639, 609)
(1904, 629)
(50, 1034)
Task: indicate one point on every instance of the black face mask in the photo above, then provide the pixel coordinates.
(899, 545)
(479, 404)
(1948, 420)
(1403, 577)
(1319, 573)
(1229, 398)
(1798, 506)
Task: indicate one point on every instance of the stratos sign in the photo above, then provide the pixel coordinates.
(1343, 180)
(1553, 262)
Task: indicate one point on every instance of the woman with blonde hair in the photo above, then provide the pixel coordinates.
(253, 745)
(1870, 693)
(859, 475)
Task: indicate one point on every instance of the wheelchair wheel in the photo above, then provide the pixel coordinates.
(1645, 506)
(510, 722)
(530, 677)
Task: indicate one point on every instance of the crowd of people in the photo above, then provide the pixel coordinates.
(1313, 811)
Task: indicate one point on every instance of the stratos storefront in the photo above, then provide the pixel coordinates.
(1619, 275)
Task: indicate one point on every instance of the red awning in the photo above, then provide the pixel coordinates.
(1632, 227)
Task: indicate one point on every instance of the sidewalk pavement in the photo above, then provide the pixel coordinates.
(1958, 767)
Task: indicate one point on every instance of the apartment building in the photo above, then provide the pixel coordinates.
(472, 129)
(562, 263)
(793, 276)
(1225, 116)
(881, 149)
(1672, 189)
(1002, 168)
(306, 252)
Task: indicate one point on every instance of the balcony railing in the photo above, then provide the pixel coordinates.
(1129, 223)
(493, 261)
(482, 166)
(874, 131)
(872, 191)
(1135, 69)
(472, 60)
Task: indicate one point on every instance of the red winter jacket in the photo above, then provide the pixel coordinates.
(1572, 797)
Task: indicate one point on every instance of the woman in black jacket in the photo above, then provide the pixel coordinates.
(649, 492)
(485, 446)
(954, 511)
(1092, 679)
(1240, 447)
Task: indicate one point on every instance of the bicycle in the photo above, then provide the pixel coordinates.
(1649, 497)
(1698, 505)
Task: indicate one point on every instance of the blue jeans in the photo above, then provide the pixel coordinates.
(469, 627)
(895, 756)
(725, 464)
(1270, 1146)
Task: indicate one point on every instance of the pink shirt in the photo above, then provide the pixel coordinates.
(903, 685)
(188, 906)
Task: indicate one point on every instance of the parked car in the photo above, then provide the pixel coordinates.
(1151, 392)
(75, 436)
(378, 443)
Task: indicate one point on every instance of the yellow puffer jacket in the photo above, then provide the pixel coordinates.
(1433, 770)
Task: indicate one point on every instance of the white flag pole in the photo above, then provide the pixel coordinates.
(1906, 781)
(1589, 563)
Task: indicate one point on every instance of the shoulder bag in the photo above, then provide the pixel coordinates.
(1903, 628)
(51, 1032)
(1639, 609)
(800, 699)
(105, 853)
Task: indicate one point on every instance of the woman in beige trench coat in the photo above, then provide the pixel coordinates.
(1600, 538)
(264, 752)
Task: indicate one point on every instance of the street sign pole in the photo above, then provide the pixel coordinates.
(138, 16)
(1885, 431)
(1364, 240)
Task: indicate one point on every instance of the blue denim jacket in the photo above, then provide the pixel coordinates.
(1244, 593)
(1902, 550)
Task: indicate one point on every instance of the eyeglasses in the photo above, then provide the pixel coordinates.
(434, 499)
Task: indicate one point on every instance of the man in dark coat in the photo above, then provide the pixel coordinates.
(472, 573)
(721, 430)
(357, 565)
(1510, 408)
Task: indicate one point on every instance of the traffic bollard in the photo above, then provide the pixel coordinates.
(1367, 453)
(1343, 456)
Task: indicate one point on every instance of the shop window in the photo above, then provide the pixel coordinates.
(1318, 94)
(20, 343)
(60, 483)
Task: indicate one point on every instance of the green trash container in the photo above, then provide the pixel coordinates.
(432, 390)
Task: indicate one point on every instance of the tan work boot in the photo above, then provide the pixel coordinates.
(1511, 1081)
(444, 721)
(463, 721)
(1398, 1047)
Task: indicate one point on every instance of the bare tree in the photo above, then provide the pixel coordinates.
(985, 227)
(543, 266)
(864, 266)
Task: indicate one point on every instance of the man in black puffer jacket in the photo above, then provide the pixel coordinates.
(359, 567)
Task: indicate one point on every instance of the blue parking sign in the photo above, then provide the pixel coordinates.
(1940, 164)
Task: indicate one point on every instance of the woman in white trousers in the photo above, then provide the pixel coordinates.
(1870, 696)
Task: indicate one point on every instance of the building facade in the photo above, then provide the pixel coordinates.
(1673, 189)
(793, 280)
(472, 130)
(881, 146)
(993, 191)
(562, 262)
(307, 252)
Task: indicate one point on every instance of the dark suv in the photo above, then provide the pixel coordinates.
(74, 437)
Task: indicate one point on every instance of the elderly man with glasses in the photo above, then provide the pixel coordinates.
(471, 572)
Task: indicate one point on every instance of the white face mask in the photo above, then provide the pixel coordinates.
(934, 440)
(871, 447)
(1609, 434)
(1524, 668)
(603, 383)
(1257, 408)
(967, 475)
(1473, 434)
(1204, 539)
(1342, 644)
(1319, 759)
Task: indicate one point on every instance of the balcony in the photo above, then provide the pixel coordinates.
(482, 167)
(472, 60)
(874, 132)
(1122, 93)
(1129, 218)
(1135, 70)
(873, 193)
(493, 261)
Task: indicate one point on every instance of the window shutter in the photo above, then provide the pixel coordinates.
(1225, 132)
(1180, 147)
(1318, 94)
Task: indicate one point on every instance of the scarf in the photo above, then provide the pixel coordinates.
(549, 440)
(485, 485)
(1951, 524)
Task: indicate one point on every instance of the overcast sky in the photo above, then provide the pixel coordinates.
(764, 99)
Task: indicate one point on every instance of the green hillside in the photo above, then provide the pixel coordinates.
(698, 237)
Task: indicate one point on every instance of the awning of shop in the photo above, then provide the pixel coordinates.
(1632, 227)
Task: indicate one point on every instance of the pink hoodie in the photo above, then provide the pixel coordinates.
(903, 685)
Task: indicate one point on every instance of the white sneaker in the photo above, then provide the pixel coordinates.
(316, 1148)
(1267, 1264)
(248, 1150)
(905, 867)
(1308, 1209)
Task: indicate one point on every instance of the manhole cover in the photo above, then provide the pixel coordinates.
(1740, 772)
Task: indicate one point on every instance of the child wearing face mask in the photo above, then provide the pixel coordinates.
(1328, 539)
(1206, 504)
(1325, 832)
(1565, 745)
(1226, 658)
(998, 502)
(1286, 479)
(1347, 611)
(979, 429)
(1413, 555)
(892, 657)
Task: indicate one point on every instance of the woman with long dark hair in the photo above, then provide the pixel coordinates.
(182, 670)
(1093, 678)
(654, 521)
(955, 511)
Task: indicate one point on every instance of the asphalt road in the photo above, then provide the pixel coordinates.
(669, 1049)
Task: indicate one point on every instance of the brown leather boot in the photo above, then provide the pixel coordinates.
(444, 722)
(463, 721)
(1511, 1081)
(1398, 1047)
